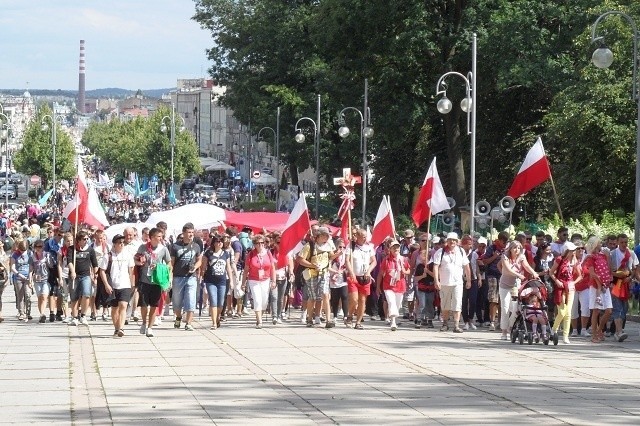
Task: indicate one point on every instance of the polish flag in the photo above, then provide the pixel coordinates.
(295, 230)
(85, 205)
(533, 171)
(384, 226)
(432, 199)
(81, 198)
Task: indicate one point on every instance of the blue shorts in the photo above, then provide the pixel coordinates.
(81, 288)
(217, 293)
(184, 294)
(620, 308)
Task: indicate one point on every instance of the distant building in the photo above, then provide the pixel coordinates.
(137, 105)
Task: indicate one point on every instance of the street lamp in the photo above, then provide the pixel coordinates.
(603, 58)
(316, 149)
(276, 135)
(55, 119)
(172, 126)
(467, 105)
(5, 127)
(366, 132)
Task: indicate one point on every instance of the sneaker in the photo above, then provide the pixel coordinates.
(188, 327)
(20, 317)
(621, 337)
(473, 326)
(120, 332)
(466, 326)
(394, 326)
(157, 322)
(258, 325)
(274, 321)
(492, 327)
(143, 329)
(303, 317)
(574, 333)
(115, 333)
(83, 321)
(278, 320)
(444, 327)
(487, 324)
(375, 318)
(565, 340)
(59, 317)
(66, 320)
(74, 322)
(149, 332)
(607, 334)
(104, 317)
(387, 321)
(43, 319)
(340, 314)
(418, 324)
(330, 324)
(348, 322)
(430, 324)
(93, 317)
(176, 323)
(52, 317)
(309, 323)
(503, 337)
(316, 321)
(585, 333)
(283, 316)
(457, 330)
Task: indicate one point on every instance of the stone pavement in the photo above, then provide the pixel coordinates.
(289, 374)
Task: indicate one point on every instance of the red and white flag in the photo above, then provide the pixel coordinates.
(384, 226)
(533, 171)
(294, 231)
(85, 204)
(432, 199)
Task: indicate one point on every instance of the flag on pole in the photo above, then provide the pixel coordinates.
(43, 200)
(296, 228)
(432, 199)
(82, 195)
(384, 226)
(533, 171)
(85, 207)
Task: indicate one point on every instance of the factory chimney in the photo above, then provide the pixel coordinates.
(81, 80)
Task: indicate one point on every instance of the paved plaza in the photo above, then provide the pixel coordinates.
(292, 375)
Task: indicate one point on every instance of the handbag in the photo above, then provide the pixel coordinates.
(238, 292)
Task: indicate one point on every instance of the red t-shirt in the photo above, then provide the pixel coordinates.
(393, 278)
(259, 265)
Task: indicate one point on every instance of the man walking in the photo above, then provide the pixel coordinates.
(450, 266)
(116, 271)
(186, 257)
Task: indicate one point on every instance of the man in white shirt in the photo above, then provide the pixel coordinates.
(558, 246)
(116, 270)
(624, 265)
(451, 266)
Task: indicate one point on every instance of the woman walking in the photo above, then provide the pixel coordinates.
(40, 263)
(20, 270)
(564, 273)
(260, 274)
(393, 270)
(217, 267)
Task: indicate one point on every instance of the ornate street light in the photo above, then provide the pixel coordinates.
(172, 127)
(300, 138)
(55, 120)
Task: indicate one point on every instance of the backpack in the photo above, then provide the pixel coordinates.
(3, 274)
(299, 269)
(245, 241)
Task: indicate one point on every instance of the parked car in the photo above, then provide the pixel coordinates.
(16, 178)
(223, 194)
(187, 186)
(205, 189)
(10, 190)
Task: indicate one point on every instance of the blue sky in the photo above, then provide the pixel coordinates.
(131, 44)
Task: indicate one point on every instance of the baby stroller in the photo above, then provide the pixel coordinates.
(531, 305)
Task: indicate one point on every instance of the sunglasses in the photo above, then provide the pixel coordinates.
(424, 241)
(217, 241)
(39, 246)
(528, 239)
(259, 242)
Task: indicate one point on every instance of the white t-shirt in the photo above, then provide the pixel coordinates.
(119, 273)
(616, 259)
(558, 247)
(362, 258)
(451, 266)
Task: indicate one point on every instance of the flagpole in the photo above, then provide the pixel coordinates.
(75, 226)
(555, 195)
(428, 237)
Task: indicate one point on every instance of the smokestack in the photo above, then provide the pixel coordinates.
(81, 79)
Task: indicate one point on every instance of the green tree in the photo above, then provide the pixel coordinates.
(35, 157)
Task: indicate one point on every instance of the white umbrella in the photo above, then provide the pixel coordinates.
(201, 215)
(264, 179)
(218, 167)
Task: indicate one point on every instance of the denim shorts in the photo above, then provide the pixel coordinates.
(184, 293)
(82, 288)
(619, 308)
(216, 294)
(42, 289)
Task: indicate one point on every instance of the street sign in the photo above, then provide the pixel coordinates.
(34, 180)
(235, 173)
(256, 174)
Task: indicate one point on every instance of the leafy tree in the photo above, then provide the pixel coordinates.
(36, 155)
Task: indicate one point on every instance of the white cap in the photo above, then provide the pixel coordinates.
(453, 236)
(569, 246)
(482, 240)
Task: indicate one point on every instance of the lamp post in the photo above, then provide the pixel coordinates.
(468, 105)
(602, 58)
(172, 126)
(276, 135)
(316, 149)
(366, 132)
(55, 119)
(5, 127)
